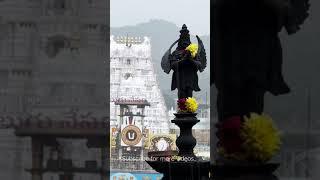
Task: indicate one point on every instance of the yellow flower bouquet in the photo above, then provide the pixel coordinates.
(193, 49)
(261, 138)
(187, 105)
(254, 139)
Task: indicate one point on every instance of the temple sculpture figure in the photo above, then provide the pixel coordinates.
(184, 64)
(247, 60)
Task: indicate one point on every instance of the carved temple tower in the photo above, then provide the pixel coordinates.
(52, 68)
(137, 107)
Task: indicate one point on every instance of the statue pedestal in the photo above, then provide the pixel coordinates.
(184, 170)
(189, 167)
(186, 142)
(244, 171)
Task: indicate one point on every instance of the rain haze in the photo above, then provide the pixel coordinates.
(196, 14)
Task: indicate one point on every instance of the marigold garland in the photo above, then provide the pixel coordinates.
(191, 104)
(193, 49)
(258, 138)
(261, 138)
(187, 105)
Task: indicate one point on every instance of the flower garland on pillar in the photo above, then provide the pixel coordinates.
(187, 105)
(254, 138)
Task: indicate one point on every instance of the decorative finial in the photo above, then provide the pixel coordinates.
(184, 39)
(184, 29)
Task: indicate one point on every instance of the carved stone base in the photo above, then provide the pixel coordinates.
(186, 142)
(181, 170)
(244, 171)
(189, 167)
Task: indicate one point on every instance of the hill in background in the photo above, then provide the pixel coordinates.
(163, 34)
(301, 66)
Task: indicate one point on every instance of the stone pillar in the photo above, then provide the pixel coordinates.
(190, 168)
(186, 142)
(119, 149)
(37, 158)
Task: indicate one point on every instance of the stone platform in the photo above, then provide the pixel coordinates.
(182, 170)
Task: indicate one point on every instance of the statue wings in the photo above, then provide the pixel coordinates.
(201, 55)
(165, 62)
(297, 14)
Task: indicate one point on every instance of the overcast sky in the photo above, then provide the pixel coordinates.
(194, 13)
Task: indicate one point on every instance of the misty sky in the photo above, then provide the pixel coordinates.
(194, 13)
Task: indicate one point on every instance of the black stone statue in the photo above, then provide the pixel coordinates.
(247, 59)
(184, 66)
